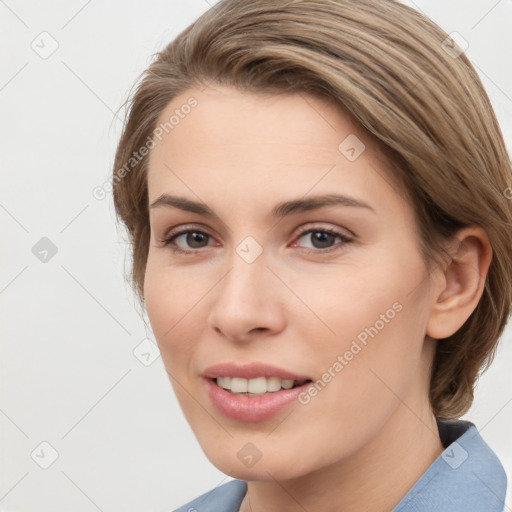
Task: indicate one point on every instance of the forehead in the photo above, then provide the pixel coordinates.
(258, 143)
(227, 117)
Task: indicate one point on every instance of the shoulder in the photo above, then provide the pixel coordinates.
(225, 498)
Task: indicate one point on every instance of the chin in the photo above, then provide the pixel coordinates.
(272, 467)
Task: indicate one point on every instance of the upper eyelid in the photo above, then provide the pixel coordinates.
(179, 230)
(199, 227)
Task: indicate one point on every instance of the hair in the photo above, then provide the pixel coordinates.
(407, 86)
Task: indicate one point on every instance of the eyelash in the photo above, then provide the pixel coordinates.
(169, 239)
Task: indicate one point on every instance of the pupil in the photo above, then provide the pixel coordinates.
(194, 239)
(322, 240)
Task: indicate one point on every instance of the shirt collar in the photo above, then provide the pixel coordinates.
(466, 477)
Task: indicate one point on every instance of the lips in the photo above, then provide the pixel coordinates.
(251, 371)
(242, 403)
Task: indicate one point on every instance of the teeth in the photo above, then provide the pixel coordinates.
(224, 382)
(257, 386)
(287, 384)
(239, 385)
(273, 384)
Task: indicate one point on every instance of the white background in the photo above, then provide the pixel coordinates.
(69, 327)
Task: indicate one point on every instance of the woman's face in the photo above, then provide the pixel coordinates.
(331, 292)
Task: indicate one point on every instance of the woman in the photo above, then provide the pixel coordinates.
(316, 197)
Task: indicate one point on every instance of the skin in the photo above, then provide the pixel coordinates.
(366, 438)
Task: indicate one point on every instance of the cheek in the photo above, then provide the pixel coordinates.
(367, 321)
(170, 306)
(343, 302)
(171, 313)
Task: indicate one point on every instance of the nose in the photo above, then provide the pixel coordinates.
(247, 302)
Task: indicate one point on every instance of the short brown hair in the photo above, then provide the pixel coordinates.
(392, 69)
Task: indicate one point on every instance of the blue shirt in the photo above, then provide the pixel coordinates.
(466, 477)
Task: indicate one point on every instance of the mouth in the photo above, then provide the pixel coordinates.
(252, 392)
(259, 386)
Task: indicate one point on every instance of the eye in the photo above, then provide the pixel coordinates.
(192, 238)
(322, 240)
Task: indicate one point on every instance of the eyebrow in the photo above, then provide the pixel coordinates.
(279, 210)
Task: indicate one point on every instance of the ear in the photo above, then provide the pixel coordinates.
(462, 282)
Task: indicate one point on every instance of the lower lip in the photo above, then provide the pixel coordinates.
(255, 408)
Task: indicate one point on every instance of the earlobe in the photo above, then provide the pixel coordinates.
(463, 283)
